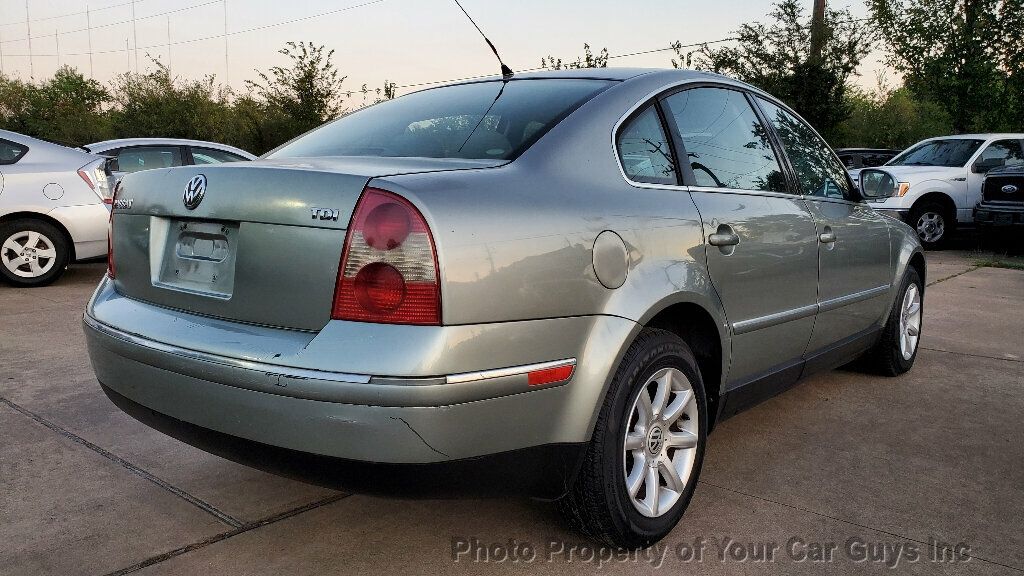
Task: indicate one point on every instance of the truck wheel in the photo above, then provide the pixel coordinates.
(933, 223)
(642, 463)
(32, 252)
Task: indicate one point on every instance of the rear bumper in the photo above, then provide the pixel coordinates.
(428, 395)
(995, 215)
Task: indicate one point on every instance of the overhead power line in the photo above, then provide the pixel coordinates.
(237, 32)
(69, 14)
(118, 23)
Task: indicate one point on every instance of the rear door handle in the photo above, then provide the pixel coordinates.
(827, 237)
(723, 239)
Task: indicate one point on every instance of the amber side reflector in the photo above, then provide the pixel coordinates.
(550, 375)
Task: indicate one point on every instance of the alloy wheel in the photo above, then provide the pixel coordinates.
(28, 254)
(910, 321)
(660, 444)
(931, 226)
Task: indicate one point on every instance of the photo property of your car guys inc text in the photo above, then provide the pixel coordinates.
(568, 287)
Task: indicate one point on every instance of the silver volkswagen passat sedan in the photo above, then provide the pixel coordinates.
(554, 284)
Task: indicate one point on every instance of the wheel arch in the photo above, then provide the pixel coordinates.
(941, 198)
(24, 215)
(698, 327)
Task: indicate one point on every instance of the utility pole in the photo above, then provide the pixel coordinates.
(127, 54)
(817, 30)
(28, 27)
(227, 69)
(56, 40)
(135, 35)
(88, 28)
(168, 44)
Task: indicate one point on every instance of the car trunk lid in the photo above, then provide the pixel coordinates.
(262, 244)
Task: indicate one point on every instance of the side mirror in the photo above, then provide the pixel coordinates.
(877, 184)
(984, 165)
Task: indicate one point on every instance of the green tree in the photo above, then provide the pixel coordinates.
(156, 104)
(308, 92)
(588, 60)
(965, 54)
(68, 108)
(776, 57)
(890, 118)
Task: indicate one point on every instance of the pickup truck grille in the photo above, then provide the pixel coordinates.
(1004, 188)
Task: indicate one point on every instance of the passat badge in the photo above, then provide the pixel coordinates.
(1009, 189)
(194, 191)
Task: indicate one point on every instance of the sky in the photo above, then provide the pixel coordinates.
(407, 42)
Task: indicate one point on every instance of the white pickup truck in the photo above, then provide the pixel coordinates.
(938, 181)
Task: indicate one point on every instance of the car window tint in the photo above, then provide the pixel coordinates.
(644, 150)
(726, 145)
(11, 152)
(1009, 151)
(139, 158)
(481, 120)
(817, 169)
(213, 156)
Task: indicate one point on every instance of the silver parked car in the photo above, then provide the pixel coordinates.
(504, 286)
(52, 209)
(134, 154)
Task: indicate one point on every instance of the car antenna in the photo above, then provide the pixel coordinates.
(506, 72)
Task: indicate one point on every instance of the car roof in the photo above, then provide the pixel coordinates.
(615, 74)
(122, 142)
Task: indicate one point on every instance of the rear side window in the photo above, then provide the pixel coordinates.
(817, 169)
(644, 150)
(138, 158)
(11, 152)
(484, 120)
(726, 145)
(213, 156)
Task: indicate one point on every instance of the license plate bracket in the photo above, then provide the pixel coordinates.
(196, 256)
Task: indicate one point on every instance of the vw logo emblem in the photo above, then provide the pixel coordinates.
(655, 439)
(1009, 189)
(194, 191)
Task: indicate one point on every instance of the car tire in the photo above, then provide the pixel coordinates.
(933, 223)
(32, 252)
(600, 504)
(891, 356)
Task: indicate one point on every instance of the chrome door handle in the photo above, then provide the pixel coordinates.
(723, 239)
(827, 237)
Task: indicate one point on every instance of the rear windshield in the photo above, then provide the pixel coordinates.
(952, 152)
(486, 120)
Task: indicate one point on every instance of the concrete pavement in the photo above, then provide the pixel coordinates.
(876, 470)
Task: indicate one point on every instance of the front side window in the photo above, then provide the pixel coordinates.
(726, 145)
(482, 120)
(950, 152)
(11, 152)
(817, 169)
(1003, 153)
(213, 156)
(138, 158)
(644, 150)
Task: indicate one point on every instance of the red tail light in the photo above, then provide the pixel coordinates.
(388, 270)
